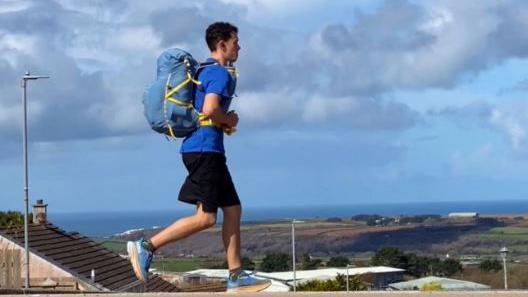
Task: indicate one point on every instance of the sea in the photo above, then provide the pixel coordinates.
(108, 224)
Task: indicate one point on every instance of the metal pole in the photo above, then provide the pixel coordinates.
(25, 78)
(348, 290)
(293, 257)
(26, 182)
(505, 273)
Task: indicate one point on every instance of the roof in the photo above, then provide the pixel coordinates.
(447, 284)
(327, 273)
(79, 254)
(463, 214)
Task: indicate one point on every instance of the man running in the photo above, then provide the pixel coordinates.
(208, 184)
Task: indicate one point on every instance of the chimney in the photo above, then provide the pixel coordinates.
(39, 212)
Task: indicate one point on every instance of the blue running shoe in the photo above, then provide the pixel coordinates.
(140, 257)
(246, 282)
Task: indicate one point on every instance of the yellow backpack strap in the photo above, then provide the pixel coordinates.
(168, 94)
(189, 79)
(204, 122)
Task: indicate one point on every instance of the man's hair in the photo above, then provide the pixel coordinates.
(218, 31)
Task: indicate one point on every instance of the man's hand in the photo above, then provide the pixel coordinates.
(231, 119)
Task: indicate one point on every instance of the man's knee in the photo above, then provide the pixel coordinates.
(206, 220)
(232, 212)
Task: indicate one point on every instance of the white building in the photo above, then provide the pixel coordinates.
(380, 276)
(448, 284)
(473, 215)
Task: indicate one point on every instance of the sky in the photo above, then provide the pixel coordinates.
(340, 102)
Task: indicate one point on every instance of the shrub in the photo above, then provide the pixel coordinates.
(490, 265)
(337, 284)
(339, 261)
(432, 286)
(276, 262)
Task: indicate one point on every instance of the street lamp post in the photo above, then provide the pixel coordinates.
(504, 253)
(293, 254)
(24, 81)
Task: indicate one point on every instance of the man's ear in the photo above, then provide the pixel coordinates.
(221, 45)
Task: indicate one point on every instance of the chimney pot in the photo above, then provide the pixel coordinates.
(40, 212)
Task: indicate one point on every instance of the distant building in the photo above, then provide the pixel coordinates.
(221, 274)
(472, 215)
(62, 261)
(376, 277)
(448, 284)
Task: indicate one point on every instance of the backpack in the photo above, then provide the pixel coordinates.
(169, 101)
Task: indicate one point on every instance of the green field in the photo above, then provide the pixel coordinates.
(184, 264)
(510, 230)
(116, 246)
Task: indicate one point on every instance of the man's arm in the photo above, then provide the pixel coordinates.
(212, 110)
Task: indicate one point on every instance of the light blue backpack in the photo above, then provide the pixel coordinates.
(168, 101)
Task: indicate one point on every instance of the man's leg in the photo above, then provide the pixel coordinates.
(231, 236)
(184, 227)
(141, 251)
(238, 280)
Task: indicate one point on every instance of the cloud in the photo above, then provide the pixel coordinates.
(403, 45)
(101, 55)
(510, 119)
(359, 113)
(520, 86)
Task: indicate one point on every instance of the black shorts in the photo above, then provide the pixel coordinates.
(208, 182)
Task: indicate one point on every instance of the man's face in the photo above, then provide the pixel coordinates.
(231, 48)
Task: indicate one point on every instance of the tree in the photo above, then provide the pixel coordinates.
(450, 267)
(276, 262)
(417, 266)
(338, 261)
(490, 265)
(390, 256)
(11, 219)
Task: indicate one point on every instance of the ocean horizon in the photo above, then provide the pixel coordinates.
(109, 223)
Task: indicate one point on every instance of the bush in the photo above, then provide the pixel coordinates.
(391, 257)
(415, 265)
(490, 265)
(449, 267)
(337, 284)
(432, 286)
(276, 262)
(339, 261)
(12, 219)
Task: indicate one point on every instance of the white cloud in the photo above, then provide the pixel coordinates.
(266, 108)
(320, 110)
(7, 6)
(513, 122)
(102, 54)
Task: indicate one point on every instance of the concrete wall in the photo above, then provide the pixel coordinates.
(39, 268)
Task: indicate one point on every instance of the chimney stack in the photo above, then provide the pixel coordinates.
(39, 212)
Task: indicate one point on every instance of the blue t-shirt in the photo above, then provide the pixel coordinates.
(215, 79)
